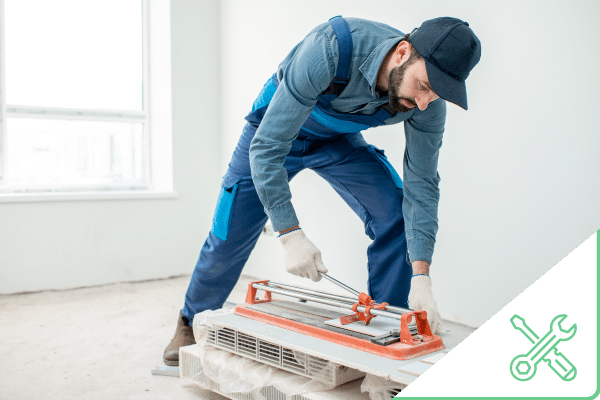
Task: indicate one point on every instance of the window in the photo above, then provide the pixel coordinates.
(77, 96)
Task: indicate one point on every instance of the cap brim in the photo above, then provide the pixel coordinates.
(447, 87)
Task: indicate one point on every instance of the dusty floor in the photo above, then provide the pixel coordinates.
(93, 343)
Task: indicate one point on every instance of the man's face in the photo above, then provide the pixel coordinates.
(408, 86)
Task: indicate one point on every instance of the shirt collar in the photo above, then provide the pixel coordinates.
(370, 67)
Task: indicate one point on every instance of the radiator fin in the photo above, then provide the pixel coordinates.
(278, 356)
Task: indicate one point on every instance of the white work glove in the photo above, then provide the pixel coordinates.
(421, 298)
(301, 257)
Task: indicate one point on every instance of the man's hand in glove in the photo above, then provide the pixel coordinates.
(301, 257)
(421, 298)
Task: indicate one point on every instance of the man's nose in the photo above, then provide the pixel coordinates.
(422, 102)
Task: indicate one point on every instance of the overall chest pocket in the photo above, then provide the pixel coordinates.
(222, 217)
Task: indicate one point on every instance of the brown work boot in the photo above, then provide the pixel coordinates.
(184, 336)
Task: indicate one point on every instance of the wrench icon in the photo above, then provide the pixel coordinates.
(523, 367)
(555, 359)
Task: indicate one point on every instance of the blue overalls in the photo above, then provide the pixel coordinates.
(329, 143)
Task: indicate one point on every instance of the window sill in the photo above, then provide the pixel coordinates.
(85, 196)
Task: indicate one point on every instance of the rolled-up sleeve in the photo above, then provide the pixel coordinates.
(424, 131)
(306, 72)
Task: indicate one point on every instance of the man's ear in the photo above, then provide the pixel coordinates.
(402, 52)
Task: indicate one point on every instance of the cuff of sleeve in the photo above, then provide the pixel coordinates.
(419, 250)
(282, 216)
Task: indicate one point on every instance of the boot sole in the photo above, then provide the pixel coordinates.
(171, 363)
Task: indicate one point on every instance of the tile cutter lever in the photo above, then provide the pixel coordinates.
(357, 294)
(340, 284)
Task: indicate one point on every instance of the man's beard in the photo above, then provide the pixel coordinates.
(395, 82)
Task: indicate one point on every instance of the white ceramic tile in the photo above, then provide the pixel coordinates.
(434, 358)
(377, 326)
(415, 368)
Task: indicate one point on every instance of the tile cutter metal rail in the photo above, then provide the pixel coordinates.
(383, 337)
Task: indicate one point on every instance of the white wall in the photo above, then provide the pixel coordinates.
(520, 170)
(69, 244)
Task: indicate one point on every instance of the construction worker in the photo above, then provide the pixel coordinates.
(347, 75)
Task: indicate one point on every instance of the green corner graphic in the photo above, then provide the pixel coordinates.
(542, 344)
(523, 367)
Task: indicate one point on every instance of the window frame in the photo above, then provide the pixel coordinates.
(158, 176)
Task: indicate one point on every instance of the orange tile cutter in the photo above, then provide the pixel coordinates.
(412, 339)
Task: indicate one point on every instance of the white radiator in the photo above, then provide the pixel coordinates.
(287, 359)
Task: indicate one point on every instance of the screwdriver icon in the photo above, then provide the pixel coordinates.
(555, 360)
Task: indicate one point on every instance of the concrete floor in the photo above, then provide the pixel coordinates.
(94, 343)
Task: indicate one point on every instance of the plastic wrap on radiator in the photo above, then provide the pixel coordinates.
(380, 388)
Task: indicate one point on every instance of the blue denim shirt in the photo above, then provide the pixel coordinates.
(304, 74)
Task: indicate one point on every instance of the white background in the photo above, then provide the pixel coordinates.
(520, 170)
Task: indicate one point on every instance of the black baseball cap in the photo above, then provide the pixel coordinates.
(450, 50)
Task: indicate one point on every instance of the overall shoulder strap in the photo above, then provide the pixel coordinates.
(344, 39)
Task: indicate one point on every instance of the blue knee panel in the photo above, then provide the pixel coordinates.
(222, 217)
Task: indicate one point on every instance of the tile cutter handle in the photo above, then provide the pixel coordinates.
(356, 293)
(340, 284)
